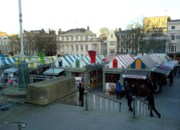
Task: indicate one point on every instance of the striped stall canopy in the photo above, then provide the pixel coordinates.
(109, 58)
(79, 63)
(122, 61)
(163, 58)
(157, 59)
(10, 60)
(168, 58)
(67, 60)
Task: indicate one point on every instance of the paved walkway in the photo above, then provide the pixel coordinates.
(57, 116)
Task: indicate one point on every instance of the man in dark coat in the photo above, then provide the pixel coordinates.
(171, 79)
(81, 94)
(129, 96)
(150, 100)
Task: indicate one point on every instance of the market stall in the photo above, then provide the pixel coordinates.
(138, 72)
(114, 69)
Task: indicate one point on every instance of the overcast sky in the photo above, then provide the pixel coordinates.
(69, 14)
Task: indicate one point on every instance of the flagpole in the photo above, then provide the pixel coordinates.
(21, 28)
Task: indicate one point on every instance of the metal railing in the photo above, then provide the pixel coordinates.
(141, 109)
(114, 104)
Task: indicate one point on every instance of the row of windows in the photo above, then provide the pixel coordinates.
(72, 47)
(127, 50)
(127, 36)
(112, 51)
(4, 47)
(5, 42)
(127, 43)
(112, 43)
(73, 38)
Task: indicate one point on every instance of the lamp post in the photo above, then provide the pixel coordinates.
(21, 28)
(43, 53)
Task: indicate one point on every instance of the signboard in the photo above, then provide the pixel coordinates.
(41, 56)
(134, 76)
(92, 55)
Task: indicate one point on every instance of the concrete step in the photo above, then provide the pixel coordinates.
(162, 122)
(16, 100)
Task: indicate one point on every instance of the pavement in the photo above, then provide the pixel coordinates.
(57, 116)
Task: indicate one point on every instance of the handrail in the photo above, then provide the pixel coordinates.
(143, 101)
(106, 97)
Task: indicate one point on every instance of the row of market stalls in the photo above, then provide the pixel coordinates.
(136, 69)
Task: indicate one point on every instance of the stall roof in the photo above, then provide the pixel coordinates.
(135, 74)
(169, 65)
(148, 61)
(162, 71)
(157, 59)
(163, 58)
(53, 71)
(164, 67)
(11, 70)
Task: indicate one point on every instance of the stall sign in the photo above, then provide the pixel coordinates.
(92, 55)
(134, 76)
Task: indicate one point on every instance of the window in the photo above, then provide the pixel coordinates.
(5, 42)
(72, 47)
(71, 38)
(112, 43)
(127, 43)
(81, 47)
(62, 38)
(2, 47)
(86, 37)
(121, 50)
(127, 36)
(81, 37)
(5, 47)
(122, 43)
(132, 36)
(111, 36)
(77, 47)
(67, 38)
(122, 36)
(172, 27)
(86, 47)
(132, 50)
(172, 37)
(172, 48)
(132, 43)
(76, 38)
(126, 50)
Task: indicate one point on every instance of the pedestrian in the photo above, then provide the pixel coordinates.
(171, 79)
(126, 87)
(150, 100)
(81, 95)
(129, 96)
(175, 71)
(118, 89)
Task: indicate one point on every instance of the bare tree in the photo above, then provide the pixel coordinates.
(148, 35)
(104, 32)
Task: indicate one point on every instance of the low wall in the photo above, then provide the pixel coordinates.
(45, 92)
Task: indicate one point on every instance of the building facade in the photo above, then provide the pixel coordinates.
(78, 41)
(159, 23)
(5, 44)
(111, 43)
(126, 40)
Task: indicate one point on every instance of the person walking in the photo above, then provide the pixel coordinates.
(171, 79)
(126, 87)
(81, 95)
(150, 100)
(118, 89)
(129, 96)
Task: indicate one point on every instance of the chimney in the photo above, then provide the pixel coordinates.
(119, 29)
(88, 28)
(59, 32)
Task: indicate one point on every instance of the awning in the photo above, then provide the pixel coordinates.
(162, 71)
(52, 71)
(135, 74)
(11, 70)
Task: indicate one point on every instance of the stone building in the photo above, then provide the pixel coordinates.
(173, 45)
(78, 41)
(5, 44)
(126, 40)
(111, 43)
